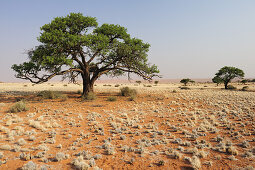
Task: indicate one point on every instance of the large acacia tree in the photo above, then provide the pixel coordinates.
(75, 45)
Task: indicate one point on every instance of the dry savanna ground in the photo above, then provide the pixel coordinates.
(162, 127)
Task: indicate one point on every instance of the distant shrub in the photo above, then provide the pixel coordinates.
(47, 94)
(245, 88)
(174, 91)
(184, 88)
(132, 98)
(19, 107)
(79, 92)
(111, 98)
(231, 87)
(126, 91)
(116, 85)
(89, 96)
(65, 85)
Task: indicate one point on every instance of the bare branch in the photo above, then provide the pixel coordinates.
(45, 78)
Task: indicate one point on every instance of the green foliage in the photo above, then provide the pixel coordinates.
(111, 98)
(48, 94)
(89, 96)
(19, 107)
(245, 88)
(75, 45)
(126, 91)
(186, 81)
(253, 80)
(228, 73)
(244, 81)
(217, 80)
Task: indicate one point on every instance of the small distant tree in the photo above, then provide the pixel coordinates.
(229, 73)
(186, 81)
(244, 81)
(253, 80)
(156, 82)
(217, 80)
(139, 82)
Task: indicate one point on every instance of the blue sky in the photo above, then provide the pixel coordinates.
(189, 38)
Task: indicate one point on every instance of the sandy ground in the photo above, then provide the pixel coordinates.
(165, 127)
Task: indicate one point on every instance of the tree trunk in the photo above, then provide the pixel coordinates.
(87, 84)
(226, 85)
(87, 87)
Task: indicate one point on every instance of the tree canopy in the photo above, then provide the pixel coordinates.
(217, 80)
(75, 46)
(186, 81)
(226, 74)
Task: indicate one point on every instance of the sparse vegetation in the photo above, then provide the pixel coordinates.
(47, 94)
(188, 127)
(112, 98)
(19, 107)
(89, 96)
(126, 91)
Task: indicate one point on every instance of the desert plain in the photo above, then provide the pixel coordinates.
(162, 127)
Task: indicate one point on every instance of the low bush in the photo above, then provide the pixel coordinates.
(231, 87)
(89, 96)
(47, 94)
(184, 88)
(126, 91)
(111, 98)
(245, 88)
(132, 98)
(19, 107)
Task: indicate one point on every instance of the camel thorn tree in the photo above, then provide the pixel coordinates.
(75, 45)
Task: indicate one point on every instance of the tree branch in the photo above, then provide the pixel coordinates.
(46, 78)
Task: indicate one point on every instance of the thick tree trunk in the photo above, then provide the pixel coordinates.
(87, 84)
(87, 87)
(226, 85)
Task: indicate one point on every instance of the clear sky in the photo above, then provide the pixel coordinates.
(189, 38)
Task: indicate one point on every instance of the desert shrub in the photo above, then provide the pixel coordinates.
(245, 88)
(65, 85)
(111, 98)
(132, 98)
(19, 107)
(231, 87)
(116, 85)
(89, 96)
(78, 91)
(126, 91)
(47, 94)
(174, 91)
(184, 88)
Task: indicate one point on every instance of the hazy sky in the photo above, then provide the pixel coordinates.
(189, 38)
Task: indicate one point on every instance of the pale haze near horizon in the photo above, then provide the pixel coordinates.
(191, 39)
